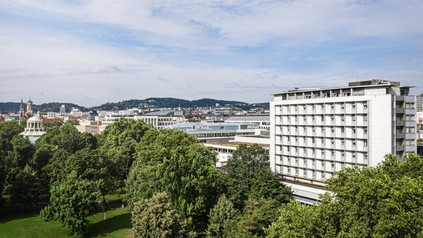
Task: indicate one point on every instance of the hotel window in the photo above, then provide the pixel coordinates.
(365, 105)
(410, 130)
(410, 142)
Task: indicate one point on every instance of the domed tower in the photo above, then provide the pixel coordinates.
(34, 129)
(29, 112)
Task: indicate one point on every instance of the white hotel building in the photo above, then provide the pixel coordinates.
(316, 132)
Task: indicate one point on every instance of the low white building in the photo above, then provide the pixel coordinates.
(225, 149)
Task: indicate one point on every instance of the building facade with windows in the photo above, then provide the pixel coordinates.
(316, 132)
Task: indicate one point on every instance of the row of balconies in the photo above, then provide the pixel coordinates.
(362, 162)
(325, 135)
(322, 123)
(323, 112)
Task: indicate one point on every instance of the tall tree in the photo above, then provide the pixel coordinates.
(191, 180)
(257, 215)
(71, 202)
(249, 175)
(220, 215)
(26, 187)
(156, 217)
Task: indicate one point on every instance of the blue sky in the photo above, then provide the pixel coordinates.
(92, 52)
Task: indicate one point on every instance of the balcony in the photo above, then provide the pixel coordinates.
(400, 123)
(400, 147)
(400, 110)
(401, 98)
(400, 135)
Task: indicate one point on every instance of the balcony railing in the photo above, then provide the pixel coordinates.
(400, 123)
(400, 110)
(400, 98)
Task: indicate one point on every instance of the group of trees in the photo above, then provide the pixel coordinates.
(382, 201)
(75, 171)
(174, 165)
(174, 189)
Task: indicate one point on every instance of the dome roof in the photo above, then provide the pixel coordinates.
(34, 119)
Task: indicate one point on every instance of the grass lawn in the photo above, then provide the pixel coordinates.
(30, 224)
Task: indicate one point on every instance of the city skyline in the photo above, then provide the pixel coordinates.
(91, 52)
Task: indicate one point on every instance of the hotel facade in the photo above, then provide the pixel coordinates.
(316, 132)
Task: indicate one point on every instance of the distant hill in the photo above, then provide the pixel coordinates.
(9, 107)
(176, 102)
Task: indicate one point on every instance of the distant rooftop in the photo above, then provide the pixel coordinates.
(249, 118)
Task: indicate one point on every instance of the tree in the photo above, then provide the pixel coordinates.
(156, 217)
(71, 202)
(382, 201)
(191, 180)
(295, 221)
(249, 175)
(26, 187)
(172, 161)
(257, 215)
(117, 144)
(220, 214)
(22, 151)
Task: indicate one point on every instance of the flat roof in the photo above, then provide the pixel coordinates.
(236, 144)
(352, 85)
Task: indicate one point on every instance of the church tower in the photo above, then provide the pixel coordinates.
(29, 112)
(21, 112)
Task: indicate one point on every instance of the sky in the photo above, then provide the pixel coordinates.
(90, 52)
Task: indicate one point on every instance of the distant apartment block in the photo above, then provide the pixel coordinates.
(316, 132)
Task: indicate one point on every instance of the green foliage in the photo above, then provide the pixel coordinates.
(26, 187)
(220, 215)
(21, 152)
(117, 145)
(249, 175)
(172, 161)
(156, 217)
(191, 181)
(382, 201)
(71, 202)
(295, 221)
(68, 138)
(8, 130)
(257, 215)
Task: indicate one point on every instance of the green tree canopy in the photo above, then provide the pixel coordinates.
(257, 215)
(382, 201)
(156, 217)
(220, 215)
(249, 175)
(72, 201)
